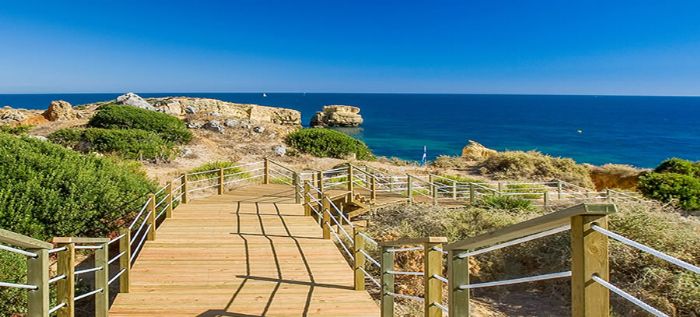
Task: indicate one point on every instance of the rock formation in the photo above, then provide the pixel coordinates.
(181, 106)
(474, 151)
(59, 110)
(337, 116)
(615, 176)
(134, 100)
(9, 115)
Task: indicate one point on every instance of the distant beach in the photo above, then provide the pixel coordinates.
(640, 131)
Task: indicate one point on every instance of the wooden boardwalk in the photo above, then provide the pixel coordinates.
(249, 252)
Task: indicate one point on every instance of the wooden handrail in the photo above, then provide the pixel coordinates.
(532, 226)
(22, 241)
(408, 241)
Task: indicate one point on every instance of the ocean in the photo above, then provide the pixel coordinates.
(640, 131)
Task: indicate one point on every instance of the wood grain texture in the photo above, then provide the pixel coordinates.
(250, 252)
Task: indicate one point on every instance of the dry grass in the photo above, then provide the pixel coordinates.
(532, 165)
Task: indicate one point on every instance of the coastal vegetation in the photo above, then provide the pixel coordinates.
(166, 126)
(16, 130)
(230, 168)
(50, 191)
(659, 283)
(533, 165)
(674, 180)
(128, 144)
(328, 143)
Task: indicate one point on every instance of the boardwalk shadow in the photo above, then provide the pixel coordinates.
(277, 280)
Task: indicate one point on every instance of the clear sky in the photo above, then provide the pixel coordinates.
(549, 47)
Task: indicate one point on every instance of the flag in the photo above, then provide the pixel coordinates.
(425, 155)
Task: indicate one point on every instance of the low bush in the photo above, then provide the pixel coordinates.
(672, 187)
(125, 117)
(328, 143)
(514, 204)
(230, 169)
(13, 268)
(16, 130)
(679, 166)
(518, 165)
(128, 144)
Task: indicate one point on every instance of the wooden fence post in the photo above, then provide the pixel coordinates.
(296, 182)
(185, 198)
(409, 188)
(38, 275)
(559, 189)
(326, 222)
(65, 288)
(589, 256)
(221, 181)
(102, 280)
(125, 260)
(432, 265)
(454, 190)
(151, 219)
(457, 274)
(351, 183)
(266, 171)
(387, 282)
(545, 199)
(373, 187)
(169, 200)
(320, 182)
(359, 263)
(472, 193)
(500, 187)
(433, 189)
(307, 199)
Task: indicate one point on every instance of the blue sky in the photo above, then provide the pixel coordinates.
(548, 47)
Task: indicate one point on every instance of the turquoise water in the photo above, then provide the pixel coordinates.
(640, 131)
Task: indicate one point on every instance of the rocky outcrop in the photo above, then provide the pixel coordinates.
(474, 151)
(181, 106)
(617, 176)
(8, 115)
(337, 116)
(59, 110)
(134, 100)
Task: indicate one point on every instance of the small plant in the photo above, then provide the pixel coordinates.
(230, 169)
(526, 191)
(128, 144)
(506, 203)
(125, 117)
(328, 143)
(16, 130)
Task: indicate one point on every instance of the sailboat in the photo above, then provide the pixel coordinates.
(264, 95)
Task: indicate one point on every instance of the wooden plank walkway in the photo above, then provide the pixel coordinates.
(249, 252)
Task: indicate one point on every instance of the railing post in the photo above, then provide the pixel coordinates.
(454, 190)
(432, 265)
(320, 183)
(125, 260)
(266, 171)
(433, 189)
(373, 187)
(296, 182)
(169, 200)
(589, 256)
(359, 263)
(326, 216)
(307, 199)
(607, 195)
(65, 288)
(387, 282)
(559, 189)
(101, 280)
(351, 183)
(221, 181)
(38, 274)
(472, 193)
(500, 187)
(545, 199)
(409, 188)
(151, 219)
(185, 198)
(457, 274)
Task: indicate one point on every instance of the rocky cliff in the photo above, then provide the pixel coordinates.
(181, 106)
(337, 116)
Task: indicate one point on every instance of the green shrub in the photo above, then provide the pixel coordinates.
(230, 169)
(667, 187)
(518, 165)
(16, 130)
(514, 204)
(48, 190)
(679, 166)
(125, 117)
(13, 269)
(128, 144)
(328, 143)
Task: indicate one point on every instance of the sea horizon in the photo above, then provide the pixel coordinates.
(598, 129)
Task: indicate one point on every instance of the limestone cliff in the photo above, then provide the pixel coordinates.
(181, 106)
(337, 116)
